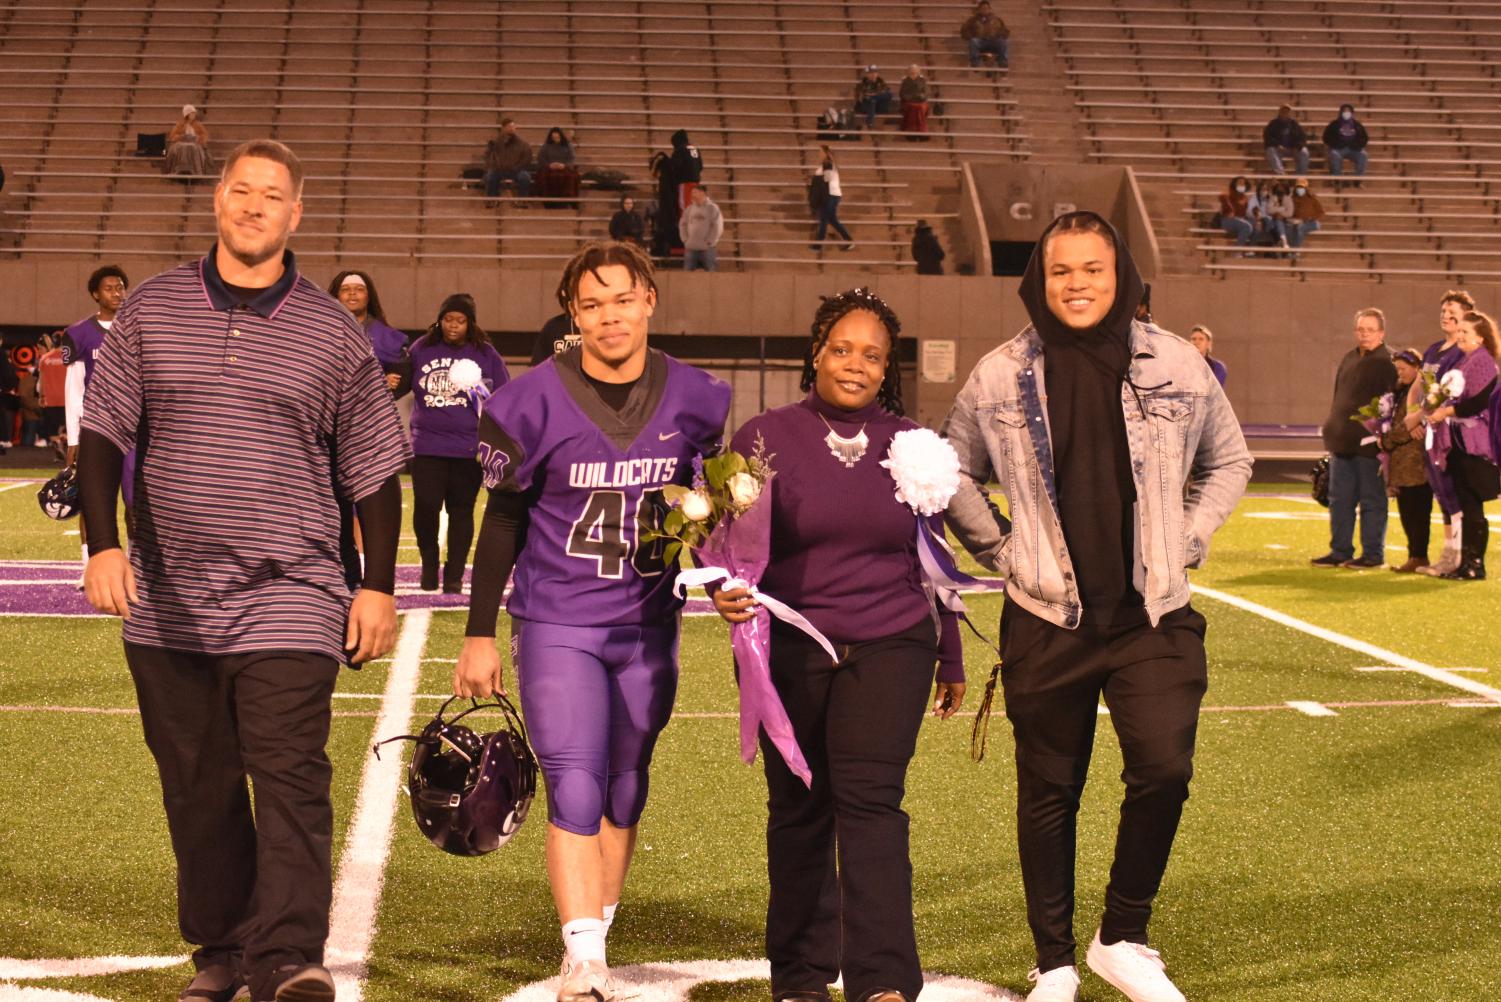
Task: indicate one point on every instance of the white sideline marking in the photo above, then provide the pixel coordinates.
(11, 487)
(80, 967)
(362, 867)
(1469, 685)
(1481, 671)
(671, 982)
(1311, 708)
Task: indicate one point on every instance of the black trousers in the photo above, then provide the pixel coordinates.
(440, 482)
(252, 891)
(1153, 681)
(836, 855)
(1476, 482)
(1414, 506)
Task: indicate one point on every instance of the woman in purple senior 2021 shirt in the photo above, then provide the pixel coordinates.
(445, 437)
(844, 554)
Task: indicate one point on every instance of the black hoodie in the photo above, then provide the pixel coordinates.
(687, 165)
(1083, 375)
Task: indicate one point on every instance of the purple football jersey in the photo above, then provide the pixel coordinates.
(591, 475)
(81, 342)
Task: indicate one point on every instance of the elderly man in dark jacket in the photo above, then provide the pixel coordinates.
(1354, 471)
(1283, 137)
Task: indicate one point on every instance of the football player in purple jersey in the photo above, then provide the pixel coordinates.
(575, 452)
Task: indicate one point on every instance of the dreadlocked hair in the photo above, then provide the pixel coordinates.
(602, 254)
(835, 308)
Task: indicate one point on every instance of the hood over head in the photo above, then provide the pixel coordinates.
(680, 139)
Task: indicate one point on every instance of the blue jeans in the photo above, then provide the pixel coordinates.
(829, 216)
(1338, 157)
(701, 260)
(1238, 228)
(1298, 229)
(995, 46)
(876, 104)
(1356, 481)
(1274, 160)
(493, 178)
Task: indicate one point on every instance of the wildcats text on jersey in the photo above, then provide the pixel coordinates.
(647, 471)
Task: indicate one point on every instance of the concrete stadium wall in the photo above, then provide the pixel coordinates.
(1281, 340)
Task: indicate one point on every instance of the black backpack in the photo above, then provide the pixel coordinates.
(818, 193)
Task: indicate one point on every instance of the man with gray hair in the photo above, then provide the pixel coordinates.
(1355, 481)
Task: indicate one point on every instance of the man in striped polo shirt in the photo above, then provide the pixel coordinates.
(249, 394)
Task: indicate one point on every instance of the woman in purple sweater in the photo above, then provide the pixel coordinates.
(445, 437)
(843, 553)
(1470, 462)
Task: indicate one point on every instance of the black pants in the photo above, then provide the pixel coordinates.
(251, 891)
(1476, 482)
(1153, 681)
(443, 482)
(1414, 506)
(856, 723)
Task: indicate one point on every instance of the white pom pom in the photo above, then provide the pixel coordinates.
(925, 468)
(465, 374)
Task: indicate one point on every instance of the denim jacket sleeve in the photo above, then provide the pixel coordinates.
(1220, 470)
(977, 523)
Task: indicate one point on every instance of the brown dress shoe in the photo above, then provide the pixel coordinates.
(1411, 567)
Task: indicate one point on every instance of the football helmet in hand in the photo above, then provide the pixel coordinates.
(59, 496)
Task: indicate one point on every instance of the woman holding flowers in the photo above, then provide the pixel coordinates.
(1406, 474)
(445, 436)
(1463, 423)
(844, 553)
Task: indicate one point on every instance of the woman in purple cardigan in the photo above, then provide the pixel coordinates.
(844, 554)
(445, 437)
(1471, 458)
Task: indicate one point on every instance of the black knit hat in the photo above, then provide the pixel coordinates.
(459, 302)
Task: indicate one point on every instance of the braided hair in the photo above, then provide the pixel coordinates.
(831, 310)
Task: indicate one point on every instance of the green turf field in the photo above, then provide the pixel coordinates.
(1348, 856)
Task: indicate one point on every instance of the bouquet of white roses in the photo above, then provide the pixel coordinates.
(1440, 390)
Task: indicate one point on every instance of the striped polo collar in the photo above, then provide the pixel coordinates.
(266, 303)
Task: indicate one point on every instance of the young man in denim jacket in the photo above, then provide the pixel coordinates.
(1118, 467)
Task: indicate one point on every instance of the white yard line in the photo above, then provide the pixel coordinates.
(363, 864)
(1310, 708)
(11, 487)
(1442, 675)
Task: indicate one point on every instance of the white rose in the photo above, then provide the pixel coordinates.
(697, 506)
(744, 488)
(465, 374)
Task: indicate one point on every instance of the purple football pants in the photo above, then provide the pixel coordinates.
(595, 698)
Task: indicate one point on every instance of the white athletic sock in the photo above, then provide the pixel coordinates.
(584, 939)
(610, 917)
(85, 548)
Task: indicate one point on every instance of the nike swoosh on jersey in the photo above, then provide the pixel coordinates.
(662, 438)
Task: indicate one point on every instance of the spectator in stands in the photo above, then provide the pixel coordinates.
(872, 96)
(1235, 210)
(914, 95)
(445, 437)
(1202, 338)
(1406, 477)
(700, 227)
(687, 164)
(508, 157)
(676, 175)
(985, 32)
(1277, 210)
(1307, 211)
(1354, 472)
(1283, 137)
(1465, 422)
(626, 225)
(187, 146)
(1345, 139)
(828, 212)
(557, 177)
(356, 290)
(926, 250)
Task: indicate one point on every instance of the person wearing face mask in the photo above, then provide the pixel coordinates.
(445, 437)
(1345, 139)
(1464, 441)
(1307, 212)
(1120, 456)
(1235, 211)
(837, 852)
(1278, 207)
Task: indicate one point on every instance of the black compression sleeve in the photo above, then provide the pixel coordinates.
(100, 467)
(380, 526)
(494, 556)
(1476, 404)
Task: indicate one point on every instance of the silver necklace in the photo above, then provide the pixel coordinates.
(848, 451)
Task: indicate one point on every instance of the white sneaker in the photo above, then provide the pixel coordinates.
(1136, 970)
(586, 981)
(1061, 984)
